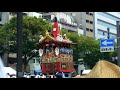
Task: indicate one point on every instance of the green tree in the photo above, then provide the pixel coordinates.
(3, 41)
(63, 31)
(32, 28)
(88, 49)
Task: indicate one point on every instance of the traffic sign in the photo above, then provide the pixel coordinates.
(107, 45)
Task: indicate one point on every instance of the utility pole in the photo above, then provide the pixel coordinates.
(118, 42)
(108, 31)
(19, 44)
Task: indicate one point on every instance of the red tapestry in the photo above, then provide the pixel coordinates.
(57, 67)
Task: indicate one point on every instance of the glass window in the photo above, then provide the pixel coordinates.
(106, 24)
(113, 36)
(91, 22)
(48, 17)
(103, 33)
(87, 29)
(91, 30)
(73, 14)
(91, 14)
(87, 21)
(87, 13)
(100, 32)
(108, 16)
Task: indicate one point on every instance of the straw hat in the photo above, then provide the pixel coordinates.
(103, 69)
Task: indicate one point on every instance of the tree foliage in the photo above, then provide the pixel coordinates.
(3, 41)
(88, 49)
(32, 28)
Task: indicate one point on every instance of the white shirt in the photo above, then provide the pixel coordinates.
(25, 76)
(37, 76)
(43, 76)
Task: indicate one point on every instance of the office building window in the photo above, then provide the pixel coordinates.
(100, 32)
(87, 21)
(91, 14)
(91, 22)
(47, 17)
(105, 14)
(73, 14)
(87, 29)
(0, 16)
(103, 33)
(106, 24)
(91, 30)
(87, 13)
(113, 36)
(13, 13)
(24, 14)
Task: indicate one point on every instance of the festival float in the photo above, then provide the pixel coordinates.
(56, 52)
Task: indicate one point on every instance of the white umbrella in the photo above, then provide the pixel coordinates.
(2, 73)
(86, 71)
(9, 70)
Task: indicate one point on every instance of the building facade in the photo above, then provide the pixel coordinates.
(103, 22)
(6, 16)
(9, 59)
(84, 20)
(64, 20)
